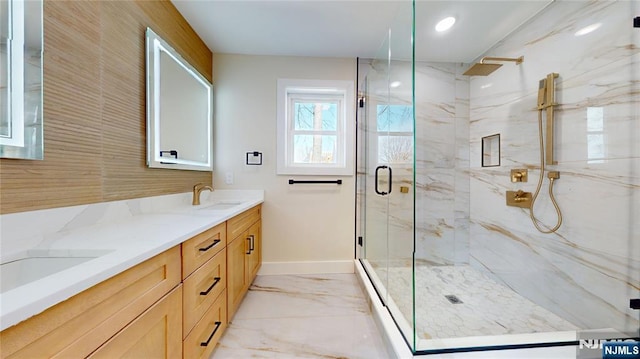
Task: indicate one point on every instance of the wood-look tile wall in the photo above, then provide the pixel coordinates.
(94, 107)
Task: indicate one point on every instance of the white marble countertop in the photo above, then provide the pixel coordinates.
(126, 233)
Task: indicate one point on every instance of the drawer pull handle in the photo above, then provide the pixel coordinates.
(209, 246)
(215, 281)
(204, 344)
(253, 238)
(249, 250)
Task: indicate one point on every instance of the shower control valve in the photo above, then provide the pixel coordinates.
(519, 198)
(519, 175)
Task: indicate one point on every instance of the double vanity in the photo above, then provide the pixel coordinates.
(151, 277)
(147, 277)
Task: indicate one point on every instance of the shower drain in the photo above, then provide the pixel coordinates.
(453, 299)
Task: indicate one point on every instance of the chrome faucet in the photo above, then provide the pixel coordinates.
(196, 192)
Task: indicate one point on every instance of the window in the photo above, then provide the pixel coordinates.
(315, 127)
(395, 134)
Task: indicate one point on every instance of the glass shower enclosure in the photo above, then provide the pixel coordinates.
(439, 152)
(385, 170)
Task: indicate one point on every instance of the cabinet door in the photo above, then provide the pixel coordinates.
(237, 275)
(154, 334)
(255, 258)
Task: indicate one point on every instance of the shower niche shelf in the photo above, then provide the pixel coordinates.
(491, 151)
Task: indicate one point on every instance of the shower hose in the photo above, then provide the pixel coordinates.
(540, 180)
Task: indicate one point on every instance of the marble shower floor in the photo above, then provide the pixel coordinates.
(302, 316)
(487, 308)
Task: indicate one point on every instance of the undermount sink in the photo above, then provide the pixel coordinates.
(220, 206)
(37, 264)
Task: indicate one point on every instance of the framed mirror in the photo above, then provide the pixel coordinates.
(21, 134)
(179, 110)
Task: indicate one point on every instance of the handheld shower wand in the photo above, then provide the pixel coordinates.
(546, 101)
(542, 92)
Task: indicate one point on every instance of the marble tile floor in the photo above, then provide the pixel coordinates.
(487, 307)
(303, 316)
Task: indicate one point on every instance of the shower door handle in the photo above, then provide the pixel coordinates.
(382, 193)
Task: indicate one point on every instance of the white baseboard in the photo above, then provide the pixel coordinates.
(322, 267)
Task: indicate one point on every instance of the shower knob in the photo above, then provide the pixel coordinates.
(519, 175)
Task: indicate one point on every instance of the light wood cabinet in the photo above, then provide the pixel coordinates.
(205, 298)
(237, 275)
(152, 335)
(202, 247)
(175, 304)
(202, 288)
(254, 260)
(207, 332)
(244, 256)
(240, 223)
(78, 326)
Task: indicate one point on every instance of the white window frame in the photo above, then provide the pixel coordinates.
(334, 91)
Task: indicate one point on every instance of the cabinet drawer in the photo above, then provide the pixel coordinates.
(154, 334)
(199, 249)
(202, 288)
(241, 222)
(206, 334)
(79, 325)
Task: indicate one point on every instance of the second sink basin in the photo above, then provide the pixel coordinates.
(219, 206)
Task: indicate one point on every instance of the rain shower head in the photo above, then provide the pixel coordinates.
(482, 69)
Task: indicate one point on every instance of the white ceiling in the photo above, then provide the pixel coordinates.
(355, 28)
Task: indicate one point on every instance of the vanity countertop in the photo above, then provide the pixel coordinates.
(117, 241)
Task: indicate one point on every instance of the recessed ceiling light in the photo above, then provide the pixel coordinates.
(445, 24)
(395, 84)
(587, 29)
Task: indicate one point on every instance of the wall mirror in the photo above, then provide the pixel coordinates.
(179, 110)
(21, 79)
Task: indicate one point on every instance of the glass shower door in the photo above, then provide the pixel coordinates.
(385, 172)
(386, 186)
(374, 205)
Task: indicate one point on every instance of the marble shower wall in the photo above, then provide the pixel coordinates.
(590, 268)
(442, 163)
